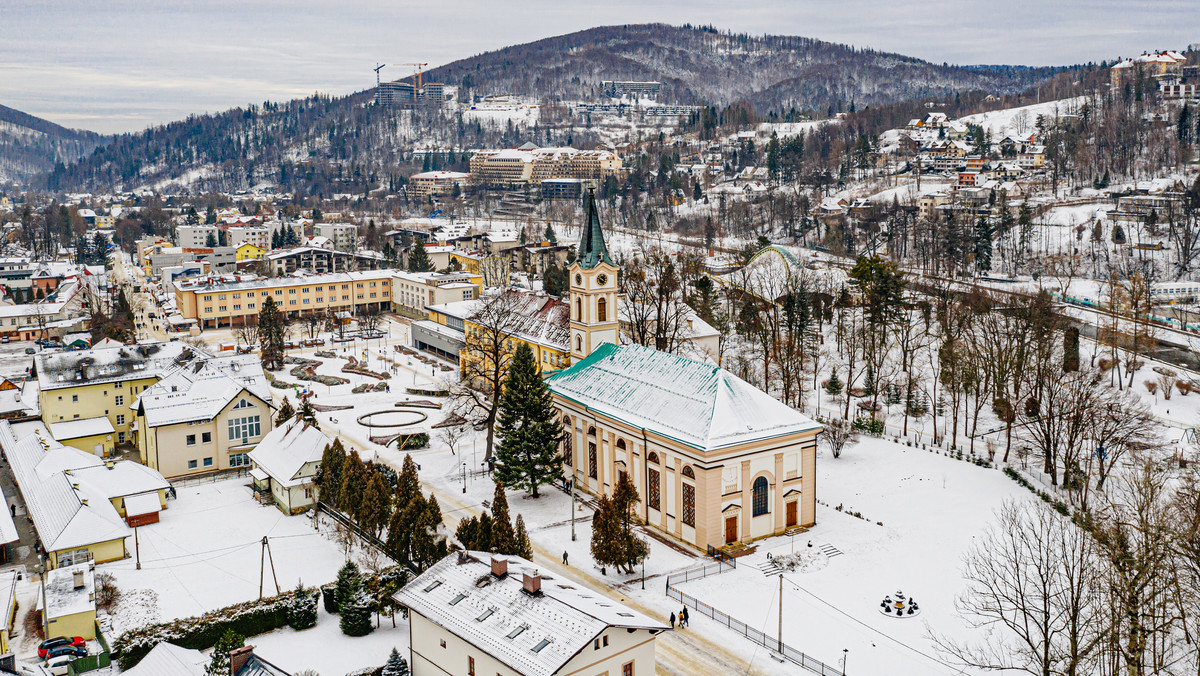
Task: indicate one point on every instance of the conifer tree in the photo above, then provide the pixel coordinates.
(308, 414)
(345, 580)
(401, 529)
(524, 546)
(286, 412)
(408, 484)
(376, 507)
(428, 545)
(354, 605)
(418, 259)
(302, 612)
(503, 538)
(395, 666)
(467, 532)
(528, 428)
(328, 478)
(354, 480)
(549, 235)
(483, 537)
(227, 643)
(270, 334)
(613, 541)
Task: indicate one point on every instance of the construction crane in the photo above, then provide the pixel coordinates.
(377, 89)
(416, 76)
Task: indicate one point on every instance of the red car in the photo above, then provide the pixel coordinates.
(58, 642)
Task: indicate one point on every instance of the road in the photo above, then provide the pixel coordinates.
(128, 276)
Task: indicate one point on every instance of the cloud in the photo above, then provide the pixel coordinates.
(122, 64)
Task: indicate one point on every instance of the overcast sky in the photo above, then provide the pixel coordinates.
(121, 65)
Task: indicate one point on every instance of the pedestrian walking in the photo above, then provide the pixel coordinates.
(565, 558)
(672, 620)
(684, 612)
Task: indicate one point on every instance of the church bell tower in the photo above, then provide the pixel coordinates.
(593, 280)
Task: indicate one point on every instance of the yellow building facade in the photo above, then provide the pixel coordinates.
(250, 252)
(109, 399)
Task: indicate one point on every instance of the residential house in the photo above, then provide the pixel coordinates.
(70, 600)
(284, 464)
(250, 252)
(474, 613)
(103, 381)
(90, 435)
(205, 416)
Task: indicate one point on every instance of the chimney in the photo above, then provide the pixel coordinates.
(78, 578)
(499, 566)
(532, 583)
(239, 657)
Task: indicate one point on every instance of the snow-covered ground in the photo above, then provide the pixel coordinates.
(1023, 119)
(329, 652)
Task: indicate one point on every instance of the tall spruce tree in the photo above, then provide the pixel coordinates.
(524, 546)
(418, 259)
(528, 428)
(504, 538)
(270, 334)
(354, 604)
(395, 666)
(328, 478)
(354, 481)
(613, 541)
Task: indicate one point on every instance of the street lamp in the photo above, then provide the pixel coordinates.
(845, 656)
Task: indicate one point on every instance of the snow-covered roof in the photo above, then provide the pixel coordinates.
(168, 659)
(63, 598)
(103, 364)
(139, 505)
(697, 404)
(77, 429)
(201, 390)
(120, 479)
(496, 615)
(8, 594)
(65, 514)
(285, 450)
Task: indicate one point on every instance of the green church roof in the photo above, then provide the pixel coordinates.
(592, 249)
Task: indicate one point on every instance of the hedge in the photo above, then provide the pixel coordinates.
(200, 633)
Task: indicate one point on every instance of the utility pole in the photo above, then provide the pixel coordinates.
(137, 549)
(265, 557)
(781, 614)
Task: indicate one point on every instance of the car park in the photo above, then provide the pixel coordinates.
(67, 651)
(59, 641)
(59, 666)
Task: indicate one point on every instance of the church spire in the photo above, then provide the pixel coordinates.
(591, 246)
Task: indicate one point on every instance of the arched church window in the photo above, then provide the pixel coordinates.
(760, 496)
(602, 310)
(687, 472)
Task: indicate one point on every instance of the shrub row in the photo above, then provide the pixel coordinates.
(297, 609)
(1058, 505)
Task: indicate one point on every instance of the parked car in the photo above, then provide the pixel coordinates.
(30, 350)
(57, 642)
(66, 651)
(60, 666)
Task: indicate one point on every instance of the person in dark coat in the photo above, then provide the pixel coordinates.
(672, 620)
(684, 616)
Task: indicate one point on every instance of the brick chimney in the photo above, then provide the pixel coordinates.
(239, 657)
(499, 566)
(532, 583)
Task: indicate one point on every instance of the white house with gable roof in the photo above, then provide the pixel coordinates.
(478, 614)
(285, 462)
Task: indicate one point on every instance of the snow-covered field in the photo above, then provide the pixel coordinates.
(1023, 119)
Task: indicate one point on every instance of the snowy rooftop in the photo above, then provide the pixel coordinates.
(119, 479)
(63, 597)
(286, 449)
(85, 427)
(168, 659)
(530, 633)
(57, 370)
(202, 389)
(698, 404)
(8, 592)
(61, 517)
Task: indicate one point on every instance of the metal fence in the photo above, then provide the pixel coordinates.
(771, 643)
(210, 477)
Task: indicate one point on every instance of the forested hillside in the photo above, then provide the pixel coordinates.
(30, 145)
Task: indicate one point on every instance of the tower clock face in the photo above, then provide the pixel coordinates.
(579, 279)
(602, 280)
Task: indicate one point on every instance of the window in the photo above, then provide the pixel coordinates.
(652, 458)
(433, 585)
(689, 505)
(120, 419)
(74, 397)
(652, 491)
(602, 310)
(591, 460)
(191, 464)
(206, 437)
(208, 462)
(119, 385)
(541, 644)
(687, 472)
(243, 404)
(237, 459)
(578, 310)
(627, 669)
(568, 450)
(119, 400)
(517, 632)
(242, 429)
(470, 666)
(191, 440)
(120, 437)
(486, 614)
(760, 496)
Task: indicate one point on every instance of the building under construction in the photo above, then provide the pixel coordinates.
(409, 94)
(616, 88)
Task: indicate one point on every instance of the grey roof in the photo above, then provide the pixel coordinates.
(201, 389)
(491, 609)
(592, 250)
(56, 370)
(698, 404)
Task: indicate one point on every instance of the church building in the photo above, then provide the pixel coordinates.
(715, 460)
